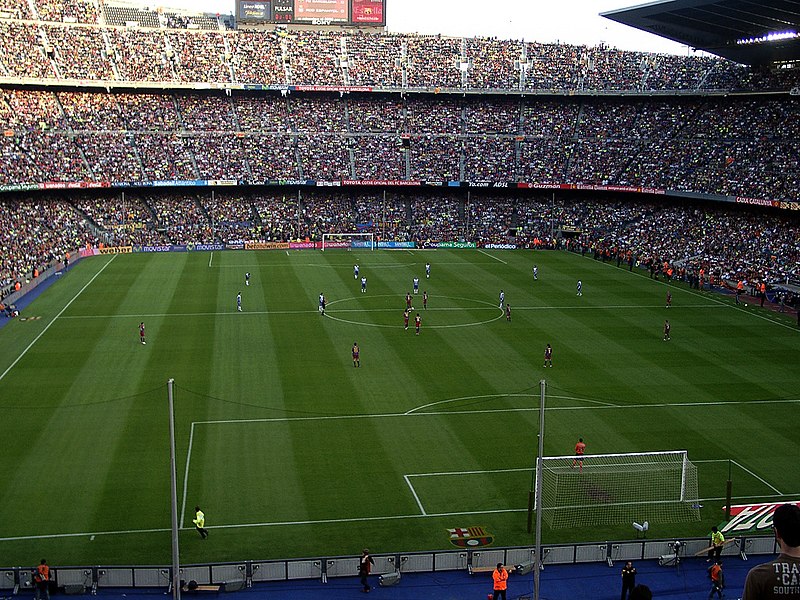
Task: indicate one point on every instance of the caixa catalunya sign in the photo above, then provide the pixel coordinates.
(752, 517)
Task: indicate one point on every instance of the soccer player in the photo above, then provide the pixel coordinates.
(322, 304)
(409, 306)
(247, 278)
(580, 449)
(200, 522)
(239, 301)
(548, 356)
(355, 271)
(356, 361)
(141, 332)
(669, 299)
(405, 318)
(415, 282)
(363, 285)
(427, 270)
(417, 322)
(508, 313)
(502, 298)
(666, 330)
(535, 272)
(425, 300)
(580, 288)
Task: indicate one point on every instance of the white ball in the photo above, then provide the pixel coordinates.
(745, 303)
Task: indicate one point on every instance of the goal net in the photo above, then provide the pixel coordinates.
(335, 240)
(614, 489)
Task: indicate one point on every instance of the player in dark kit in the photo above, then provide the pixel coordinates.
(508, 313)
(408, 301)
(141, 332)
(548, 356)
(356, 352)
(417, 322)
(666, 330)
(669, 299)
(425, 300)
(405, 318)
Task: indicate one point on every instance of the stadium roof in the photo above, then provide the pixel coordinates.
(733, 29)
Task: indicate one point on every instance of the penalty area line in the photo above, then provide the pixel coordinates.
(61, 312)
(414, 493)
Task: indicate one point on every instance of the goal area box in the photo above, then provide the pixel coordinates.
(614, 489)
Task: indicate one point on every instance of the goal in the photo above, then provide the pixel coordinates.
(327, 238)
(614, 489)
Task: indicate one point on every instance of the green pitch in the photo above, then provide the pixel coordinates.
(291, 451)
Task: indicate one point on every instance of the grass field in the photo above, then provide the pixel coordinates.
(291, 451)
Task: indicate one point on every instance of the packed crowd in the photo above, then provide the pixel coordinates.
(721, 243)
(730, 146)
(171, 52)
(33, 234)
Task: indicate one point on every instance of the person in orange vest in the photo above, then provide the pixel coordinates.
(500, 578)
(717, 579)
(41, 578)
(66, 260)
(35, 272)
(739, 290)
(17, 286)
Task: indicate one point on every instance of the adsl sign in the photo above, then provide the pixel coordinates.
(752, 517)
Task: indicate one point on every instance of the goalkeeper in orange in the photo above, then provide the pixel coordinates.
(580, 450)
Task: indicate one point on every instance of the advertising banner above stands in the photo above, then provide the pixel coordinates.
(522, 185)
(383, 182)
(757, 201)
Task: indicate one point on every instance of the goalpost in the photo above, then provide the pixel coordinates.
(370, 237)
(613, 489)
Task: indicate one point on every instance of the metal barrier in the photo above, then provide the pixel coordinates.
(245, 573)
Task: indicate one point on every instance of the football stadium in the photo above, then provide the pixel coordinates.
(282, 285)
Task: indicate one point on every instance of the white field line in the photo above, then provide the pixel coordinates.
(480, 472)
(440, 402)
(186, 476)
(61, 312)
(210, 259)
(766, 483)
(377, 310)
(414, 493)
(720, 302)
(496, 411)
(490, 256)
(332, 521)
